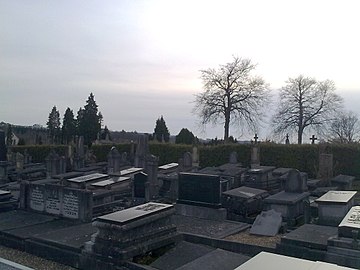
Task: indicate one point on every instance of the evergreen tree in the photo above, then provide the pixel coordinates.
(69, 126)
(53, 125)
(161, 132)
(185, 136)
(89, 120)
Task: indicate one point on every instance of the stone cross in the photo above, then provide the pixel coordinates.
(313, 139)
(287, 141)
(256, 138)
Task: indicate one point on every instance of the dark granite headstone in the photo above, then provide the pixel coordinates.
(294, 182)
(140, 180)
(267, 223)
(2, 146)
(199, 189)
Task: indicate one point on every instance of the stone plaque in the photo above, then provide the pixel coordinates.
(135, 213)
(53, 200)
(88, 178)
(350, 225)
(37, 198)
(70, 204)
(195, 188)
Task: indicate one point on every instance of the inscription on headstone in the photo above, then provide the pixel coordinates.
(70, 204)
(53, 200)
(37, 201)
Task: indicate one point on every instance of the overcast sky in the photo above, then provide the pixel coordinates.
(141, 59)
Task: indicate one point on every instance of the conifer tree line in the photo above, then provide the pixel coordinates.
(87, 123)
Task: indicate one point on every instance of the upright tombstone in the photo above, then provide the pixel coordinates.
(195, 156)
(79, 155)
(142, 150)
(3, 157)
(187, 162)
(55, 164)
(152, 164)
(255, 154)
(27, 157)
(233, 158)
(295, 182)
(2, 146)
(326, 167)
(19, 161)
(114, 160)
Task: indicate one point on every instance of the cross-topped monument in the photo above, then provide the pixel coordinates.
(256, 138)
(313, 139)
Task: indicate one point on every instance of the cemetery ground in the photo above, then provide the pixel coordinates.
(133, 213)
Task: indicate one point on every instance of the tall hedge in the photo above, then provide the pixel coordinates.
(302, 157)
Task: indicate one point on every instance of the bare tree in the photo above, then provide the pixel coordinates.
(344, 128)
(231, 96)
(305, 103)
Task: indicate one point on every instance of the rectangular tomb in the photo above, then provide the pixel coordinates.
(134, 231)
(334, 205)
(85, 180)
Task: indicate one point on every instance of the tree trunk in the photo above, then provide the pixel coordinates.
(226, 126)
(300, 133)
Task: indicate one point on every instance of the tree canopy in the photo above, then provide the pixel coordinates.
(185, 136)
(305, 103)
(89, 120)
(345, 128)
(232, 96)
(161, 132)
(68, 126)
(53, 125)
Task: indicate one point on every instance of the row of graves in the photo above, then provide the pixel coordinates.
(109, 216)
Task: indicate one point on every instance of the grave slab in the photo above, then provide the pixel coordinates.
(183, 253)
(310, 236)
(217, 259)
(20, 219)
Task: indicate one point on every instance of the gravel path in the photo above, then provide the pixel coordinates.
(31, 260)
(247, 238)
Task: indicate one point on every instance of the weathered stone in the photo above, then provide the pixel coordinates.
(267, 223)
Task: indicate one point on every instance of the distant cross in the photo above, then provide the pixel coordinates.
(313, 139)
(287, 141)
(256, 137)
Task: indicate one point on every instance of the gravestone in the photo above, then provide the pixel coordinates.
(139, 186)
(114, 160)
(233, 158)
(2, 146)
(200, 189)
(19, 161)
(343, 182)
(344, 249)
(27, 157)
(142, 150)
(130, 232)
(326, 167)
(195, 156)
(152, 164)
(267, 223)
(187, 162)
(57, 200)
(255, 156)
(55, 164)
(243, 201)
(295, 182)
(334, 205)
